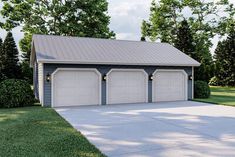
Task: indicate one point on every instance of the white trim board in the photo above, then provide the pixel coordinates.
(111, 63)
(192, 82)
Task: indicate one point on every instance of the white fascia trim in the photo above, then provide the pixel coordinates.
(114, 63)
(42, 85)
(169, 70)
(192, 82)
(75, 69)
(136, 70)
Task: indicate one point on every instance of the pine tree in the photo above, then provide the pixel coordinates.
(184, 39)
(225, 60)
(10, 66)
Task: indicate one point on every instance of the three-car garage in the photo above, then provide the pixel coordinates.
(75, 71)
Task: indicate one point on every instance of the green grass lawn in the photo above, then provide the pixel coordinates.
(36, 131)
(221, 95)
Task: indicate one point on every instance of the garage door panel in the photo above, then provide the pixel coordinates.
(126, 86)
(76, 87)
(169, 86)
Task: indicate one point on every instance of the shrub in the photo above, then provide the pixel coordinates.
(201, 89)
(15, 93)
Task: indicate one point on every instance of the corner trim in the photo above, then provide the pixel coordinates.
(193, 83)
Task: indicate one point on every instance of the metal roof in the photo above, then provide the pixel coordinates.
(79, 50)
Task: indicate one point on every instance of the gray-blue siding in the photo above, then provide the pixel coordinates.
(104, 69)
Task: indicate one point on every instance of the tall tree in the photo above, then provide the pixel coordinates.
(163, 20)
(184, 39)
(203, 18)
(1, 56)
(25, 45)
(74, 18)
(225, 60)
(10, 59)
(58, 17)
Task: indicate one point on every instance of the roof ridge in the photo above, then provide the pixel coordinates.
(109, 39)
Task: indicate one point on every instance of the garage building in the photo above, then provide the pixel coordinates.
(74, 71)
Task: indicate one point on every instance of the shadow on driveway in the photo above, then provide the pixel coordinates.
(182, 128)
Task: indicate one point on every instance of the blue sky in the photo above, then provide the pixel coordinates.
(126, 18)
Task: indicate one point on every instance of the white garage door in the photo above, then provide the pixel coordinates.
(126, 86)
(169, 85)
(73, 87)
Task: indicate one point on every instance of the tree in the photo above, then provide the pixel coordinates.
(1, 55)
(73, 18)
(225, 60)
(25, 45)
(10, 66)
(69, 18)
(184, 39)
(203, 19)
(163, 20)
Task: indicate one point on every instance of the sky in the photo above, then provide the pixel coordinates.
(126, 19)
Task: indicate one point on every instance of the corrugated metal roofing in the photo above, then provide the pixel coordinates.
(77, 50)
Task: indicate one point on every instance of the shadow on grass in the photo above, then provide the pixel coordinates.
(37, 131)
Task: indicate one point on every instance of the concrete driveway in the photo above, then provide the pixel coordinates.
(159, 129)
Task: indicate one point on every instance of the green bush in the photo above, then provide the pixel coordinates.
(15, 93)
(201, 89)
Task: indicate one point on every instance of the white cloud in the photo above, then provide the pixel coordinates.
(127, 36)
(127, 16)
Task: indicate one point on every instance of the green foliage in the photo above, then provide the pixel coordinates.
(205, 71)
(204, 20)
(68, 18)
(9, 59)
(184, 40)
(201, 89)
(15, 93)
(226, 24)
(27, 72)
(163, 20)
(25, 46)
(225, 60)
(74, 18)
(1, 55)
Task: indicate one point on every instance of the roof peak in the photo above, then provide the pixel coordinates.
(93, 38)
